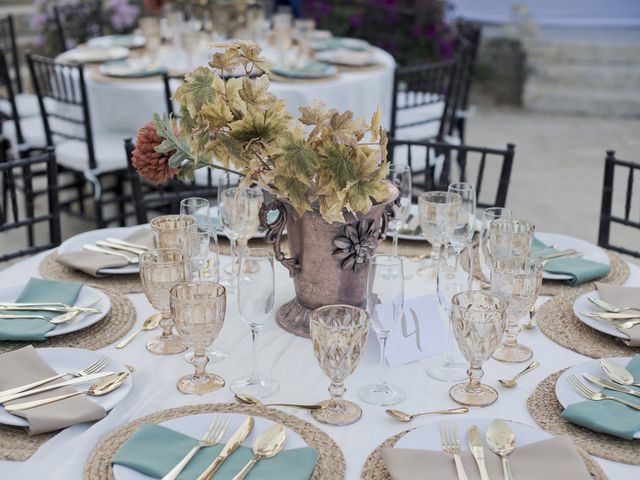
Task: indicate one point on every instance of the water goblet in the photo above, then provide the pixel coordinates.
(479, 320)
(522, 237)
(518, 280)
(256, 292)
(438, 212)
(161, 270)
(197, 207)
(198, 310)
(385, 303)
(453, 277)
(255, 199)
(233, 210)
(338, 336)
(169, 230)
(400, 176)
(486, 254)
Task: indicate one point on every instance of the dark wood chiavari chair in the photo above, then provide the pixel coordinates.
(469, 35)
(86, 19)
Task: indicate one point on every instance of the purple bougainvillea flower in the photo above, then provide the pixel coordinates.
(356, 21)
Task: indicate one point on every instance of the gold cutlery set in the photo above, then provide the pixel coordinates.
(119, 248)
(617, 317)
(267, 444)
(66, 312)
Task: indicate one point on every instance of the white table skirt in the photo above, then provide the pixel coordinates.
(291, 362)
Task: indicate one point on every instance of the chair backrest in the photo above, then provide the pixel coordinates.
(9, 46)
(489, 169)
(469, 35)
(424, 100)
(10, 97)
(85, 19)
(619, 210)
(165, 198)
(64, 105)
(168, 81)
(17, 208)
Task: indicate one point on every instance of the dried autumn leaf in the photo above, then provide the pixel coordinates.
(256, 124)
(331, 207)
(344, 130)
(297, 158)
(255, 92)
(217, 114)
(375, 124)
(336, 163)
(236, 104)
(225, 61)
(295, 191)
(250, 51)
(197, 90)
(315, 114)
(359, 195)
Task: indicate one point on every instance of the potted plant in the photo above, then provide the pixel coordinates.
(326, 172)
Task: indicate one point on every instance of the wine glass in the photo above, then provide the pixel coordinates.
(256, 291)
(518, 280)
(479, 320)
(197, 207)
(160, 270)
(233, 210)
(465, 223)
(438, 212)
(202, 248)
(385, 302)
(400, 176)
(338, 336)
(169, 230)
(282, 35)
(255, 199)
(453, 277)
(198, 310)
(486, 254)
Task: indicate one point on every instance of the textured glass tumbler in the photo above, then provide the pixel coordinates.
(169, 230)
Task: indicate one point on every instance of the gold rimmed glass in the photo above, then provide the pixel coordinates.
(338, 336)
(198, 310)
(160, 270)
(518, 280)
(169, 230)
(509, 237)
(479, 320)
(522, 237)
(486, 254)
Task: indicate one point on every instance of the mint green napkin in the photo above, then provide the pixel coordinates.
(310, 70)
(154, 450)
(37, 290)
(608, 416)
(581, 269)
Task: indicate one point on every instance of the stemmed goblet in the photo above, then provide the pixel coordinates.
(518, 280)
(465, 222)
(197, 207)
(522, 237)
(233, 210)
(256, 292)
(338, 336)
(198, 309)
(479, 320)
(161, 270)
(486, 252)
(169, 230)
(400, 176)
(385, 303)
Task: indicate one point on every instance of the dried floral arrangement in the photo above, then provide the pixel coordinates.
(323, 158)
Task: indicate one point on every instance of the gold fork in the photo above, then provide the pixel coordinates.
(450, 444)
(586, 392)
(212, 436)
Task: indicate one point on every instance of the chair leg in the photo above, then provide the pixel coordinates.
(97, 198)
(122, 209)
(80, 192)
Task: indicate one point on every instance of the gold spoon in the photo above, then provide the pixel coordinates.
(249, 400)
(502, 442)
(532, 313)
(149, 324)
(101, 387)
(268, 444)
(512, 382)
(407, 417)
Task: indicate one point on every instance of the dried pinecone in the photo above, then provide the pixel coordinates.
(357, 245)
(149, 163)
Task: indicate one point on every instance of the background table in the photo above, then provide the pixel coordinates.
(291, 362)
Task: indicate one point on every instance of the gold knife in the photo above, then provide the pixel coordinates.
(611, 315)
(232, 444)
(475, 445)
(46, 388)
(603, 382)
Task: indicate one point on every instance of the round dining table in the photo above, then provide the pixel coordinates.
(290, 360)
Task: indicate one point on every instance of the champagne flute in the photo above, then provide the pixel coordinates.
(161, 270)
(486, 254)
(400, 176)
(479, 320)
(385, 303)
(256, 292)
(199, 310)
(453, 277)
(233, 210)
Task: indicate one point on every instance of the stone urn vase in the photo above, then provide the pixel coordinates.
(328, 261)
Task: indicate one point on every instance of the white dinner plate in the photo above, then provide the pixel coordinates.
(347, 58)
(330, 43)
(75, 243)
(86, 297)
(567, 395)
(564, 242)
(582, 304)
(106, 41)
(196, 425)
(87, 54)
(72, 359)
(427, 437)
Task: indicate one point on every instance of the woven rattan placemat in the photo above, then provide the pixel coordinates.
(375, 468)
(545, 410)
(52, 269)
(329, 466)
(558, 322)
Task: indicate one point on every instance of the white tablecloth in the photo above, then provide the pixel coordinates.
(291, 362)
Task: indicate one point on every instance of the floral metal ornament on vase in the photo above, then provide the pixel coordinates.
(357, 245)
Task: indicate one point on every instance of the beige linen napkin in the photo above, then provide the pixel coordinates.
(623, 297)
(25, 366)
(92, 262)
(550, 459)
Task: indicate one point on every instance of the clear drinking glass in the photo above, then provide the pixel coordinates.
(518, 280)
(486, 254)
(169, 230)
(282, 35)
(465, 223)
(198, 310)
(255, 199)
(522, 237)
(453, 277)
(385, 302)
(438, 213)
(197, 207)
(338, 336)
(233, 211)
(479, 320)
(161, 270)
(400, 176)
(256, 292)
(151, 30)
(202, 245)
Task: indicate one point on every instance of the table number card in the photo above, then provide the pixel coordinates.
(420, 332)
